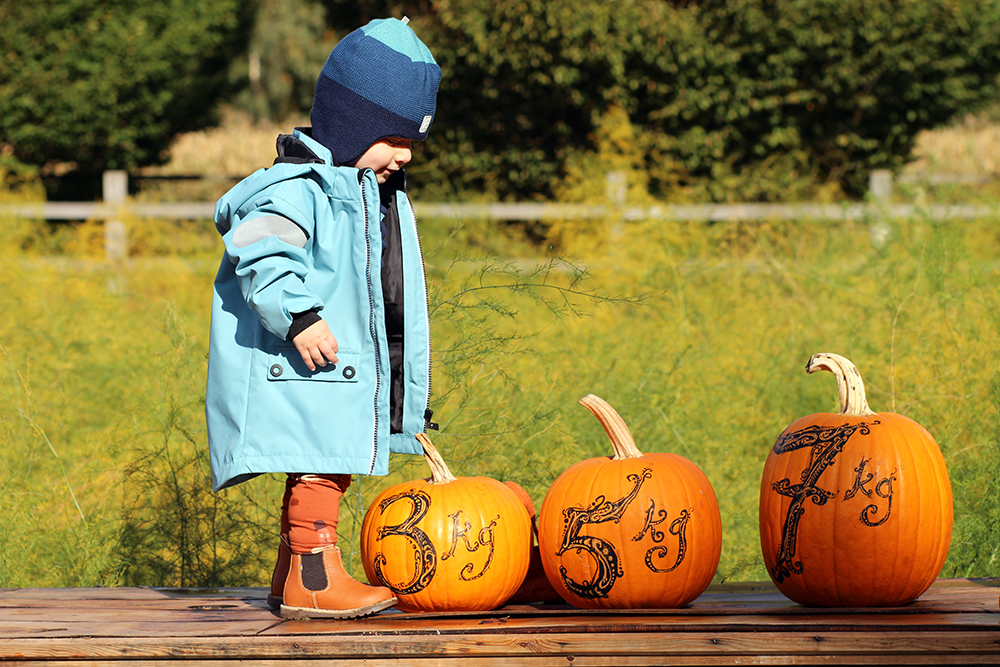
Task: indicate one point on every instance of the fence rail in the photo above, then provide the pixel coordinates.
(58, 210)
(116, 205)
(539, 211)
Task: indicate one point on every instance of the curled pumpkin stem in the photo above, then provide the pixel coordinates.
(440, 474)
(614, 426)
(849, 383)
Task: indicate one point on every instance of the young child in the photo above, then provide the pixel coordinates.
(319, 357)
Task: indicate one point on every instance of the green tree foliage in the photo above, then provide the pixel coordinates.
(838, 86)
(346, 15)
(524, 83)
(729, 99)
(288, 46)
(734, 99)
(108, 83)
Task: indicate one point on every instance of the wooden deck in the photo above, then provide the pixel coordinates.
(956, 622)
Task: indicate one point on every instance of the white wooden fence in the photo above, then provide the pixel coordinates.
(115, 203)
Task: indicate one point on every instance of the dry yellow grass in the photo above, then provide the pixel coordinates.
(239, 146)
(971, 146)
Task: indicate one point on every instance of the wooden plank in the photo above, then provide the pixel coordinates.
(409, 646)
(858, 624)
(99, 629)
(123, 593)
(162, 603)
(208, 607)
(122, 623)
(130, 595)
(554, 661)
(957, 596)
(212, 614)
(955, 622)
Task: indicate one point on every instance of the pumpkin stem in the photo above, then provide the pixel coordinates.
(440, 474)
(849, 383)
(614, 426)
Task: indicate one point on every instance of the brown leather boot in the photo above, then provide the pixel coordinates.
(318, 586)
(280, 574)
(284, 548)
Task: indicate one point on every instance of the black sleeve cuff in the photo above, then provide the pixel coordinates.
(301, 321)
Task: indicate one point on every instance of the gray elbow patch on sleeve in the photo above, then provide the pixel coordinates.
(259, 228)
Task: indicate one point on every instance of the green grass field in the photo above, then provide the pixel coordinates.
(697, 334)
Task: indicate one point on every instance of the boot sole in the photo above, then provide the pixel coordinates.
(274, 601)
(312, 612)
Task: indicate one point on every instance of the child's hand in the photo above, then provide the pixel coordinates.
(316, 345)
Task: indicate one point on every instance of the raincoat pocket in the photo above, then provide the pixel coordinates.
(285, 364)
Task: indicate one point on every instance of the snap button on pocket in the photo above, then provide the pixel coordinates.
(276, 370)
(348, 372)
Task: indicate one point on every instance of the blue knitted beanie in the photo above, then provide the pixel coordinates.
(379, 81)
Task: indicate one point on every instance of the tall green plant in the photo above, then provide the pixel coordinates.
(102, 380)
(175, 530)
(975, 542)
(55, 530)
(485, 365)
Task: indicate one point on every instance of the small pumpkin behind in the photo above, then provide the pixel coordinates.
(855, 506)
(632, 531)
(536, 588)
(447, 543)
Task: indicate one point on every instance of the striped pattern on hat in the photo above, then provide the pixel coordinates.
(379, 81)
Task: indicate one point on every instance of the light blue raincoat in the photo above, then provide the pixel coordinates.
(304, 235)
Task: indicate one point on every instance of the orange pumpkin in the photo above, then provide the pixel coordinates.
(536, 587)
(855, 507)
(631, 531)
(447, 543)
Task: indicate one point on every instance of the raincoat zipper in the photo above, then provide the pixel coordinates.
(427, 312)
(427, 305)
(371, 321)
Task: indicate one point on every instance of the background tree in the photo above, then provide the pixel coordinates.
(830, 88)
(346, 15)
(107, 84)
(733, 99)
(290, 42)
(288, 47)
(524, 84)
(737, 100)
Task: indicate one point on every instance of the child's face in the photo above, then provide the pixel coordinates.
(385, 157)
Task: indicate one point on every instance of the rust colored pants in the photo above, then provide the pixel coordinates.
(310, 510)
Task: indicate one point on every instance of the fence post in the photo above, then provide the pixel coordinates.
(880, 188)
(616, 186)
(114, 193)
(880, 185)
(616, 191)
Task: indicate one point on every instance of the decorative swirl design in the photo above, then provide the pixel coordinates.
(859, 482)
(606, 558)
(424, 554)
(459, 533)
(825, 443)
(485, 539)
(678, 528)
(651, 523)
(868, 512)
